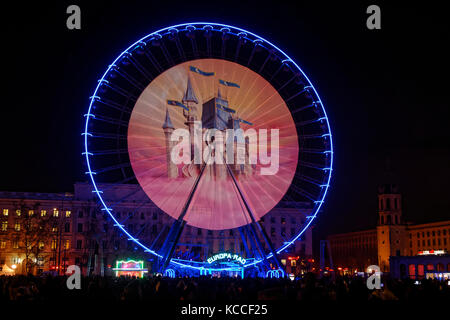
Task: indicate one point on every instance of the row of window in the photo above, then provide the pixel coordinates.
(67, 213)
(17, 227)
(282, 220)
(41, 244)
(389, 203)
(55, 213)
(433, 233)
(66, 244)
(389, 219)
(355, 240)
(346, 250)
(154, 229)
(434, 242)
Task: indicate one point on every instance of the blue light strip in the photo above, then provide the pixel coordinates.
(242, 33)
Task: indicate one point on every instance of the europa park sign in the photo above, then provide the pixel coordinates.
(225, 255)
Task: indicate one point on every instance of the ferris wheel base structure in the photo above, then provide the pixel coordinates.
(108, 155)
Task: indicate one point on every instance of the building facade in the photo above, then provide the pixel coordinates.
(391, 237)
(74, 230)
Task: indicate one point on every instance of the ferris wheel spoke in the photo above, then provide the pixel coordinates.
(276, 73)
(303, 91)
(116, 88)
(104, 135)
(149, 55)
(304, 108)
(158, 236)
(141, 229)
(138, 66)
(166, 53)
(294, 202)
(129, 78)
(123, 181)
(225, 37)
(191, 35)
(194, 47)
(123, 221)
(269, 56)
(316, 150)
(127, 217)
(286, 83)
(303, 192)
(308, 122)
(114, 167)
(313, 165)
(310, 180)
(112, 104)
(238, 48)
(255, 47)
(109, 152)
(207, 35)
(315, 136)
(125, 198)
(110, 120)
(131, 214)
(175, 37)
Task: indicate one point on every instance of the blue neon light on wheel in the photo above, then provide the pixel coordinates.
(125, 79)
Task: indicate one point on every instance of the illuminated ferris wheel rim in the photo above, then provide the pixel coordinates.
(242, 33)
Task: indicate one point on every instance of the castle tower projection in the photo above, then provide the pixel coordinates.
(191, 102)
(172, 170)
(215, 114)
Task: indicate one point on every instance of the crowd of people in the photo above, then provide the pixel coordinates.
(308, 288)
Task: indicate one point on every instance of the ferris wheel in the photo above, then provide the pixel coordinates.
(216, 126)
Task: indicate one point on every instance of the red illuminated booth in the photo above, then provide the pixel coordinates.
(130, 268)
(427, 264)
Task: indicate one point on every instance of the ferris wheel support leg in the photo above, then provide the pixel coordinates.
(244, 241)
(254, 222)
(255, 242)
(270, 245)
(177, 227)
(170, 244)
(155, 241)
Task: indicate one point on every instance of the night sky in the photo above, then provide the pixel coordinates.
(385, 91)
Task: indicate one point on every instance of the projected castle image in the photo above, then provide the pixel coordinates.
(216, 114)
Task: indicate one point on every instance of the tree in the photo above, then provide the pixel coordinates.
(32, 230)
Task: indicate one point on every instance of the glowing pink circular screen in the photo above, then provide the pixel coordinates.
(221, 182)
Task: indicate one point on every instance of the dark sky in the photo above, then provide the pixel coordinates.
(386, 91)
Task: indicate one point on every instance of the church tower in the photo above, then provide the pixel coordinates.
(389, 205)
(391, 231)
(172, 169)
